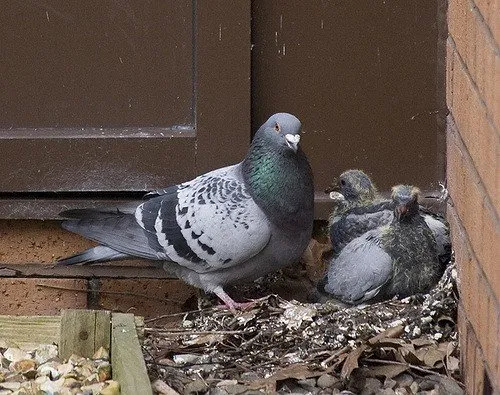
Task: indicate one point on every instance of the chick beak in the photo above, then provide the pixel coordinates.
(400, 211)
(292, 140)
(335, 187)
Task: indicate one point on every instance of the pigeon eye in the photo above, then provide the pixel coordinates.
(277, 127)
(342, 182)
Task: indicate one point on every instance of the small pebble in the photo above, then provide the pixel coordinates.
(307, 384)
(326, 381)
(404, 380)
(371, 387)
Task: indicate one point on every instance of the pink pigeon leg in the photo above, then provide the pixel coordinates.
(229, 302)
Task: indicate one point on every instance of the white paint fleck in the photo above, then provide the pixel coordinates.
(47, 15)
(220, 32)
(276, 38)
(281, 21)
(322, 24)
(284, 49)
(121, 60)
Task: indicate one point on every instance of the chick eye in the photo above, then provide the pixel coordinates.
(277, 127)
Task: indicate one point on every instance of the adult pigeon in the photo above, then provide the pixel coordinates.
(363, 209)
(398, 259)
(232, 224)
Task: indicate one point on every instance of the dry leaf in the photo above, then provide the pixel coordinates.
(351, 362)
(163, 388)
(313, 259)
(390, 332)
(430, 356)
(452, 364)
(389, 342)
(422, 342)
(389, 371)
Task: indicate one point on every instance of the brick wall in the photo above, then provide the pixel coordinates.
(42, 242)
(473, 145)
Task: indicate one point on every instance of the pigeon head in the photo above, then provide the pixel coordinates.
(356, 186)
(405, 198)
(276, 169)
(282, 131)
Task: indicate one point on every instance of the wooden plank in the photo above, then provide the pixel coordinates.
(79, 332)
(129, 368)
(88, 271)
(102, 334)
(28, 330)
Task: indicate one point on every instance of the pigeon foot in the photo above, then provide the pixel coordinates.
(230, 303)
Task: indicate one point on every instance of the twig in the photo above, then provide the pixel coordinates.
(109, 293)
(176, 314)
(187, 333)
(408, 365)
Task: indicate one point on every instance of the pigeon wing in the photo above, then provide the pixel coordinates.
(360, 271)
(207, 224)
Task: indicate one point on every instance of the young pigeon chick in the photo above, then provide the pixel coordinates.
(232, 224)
(364, 210)
(398, 259)
(360, 211)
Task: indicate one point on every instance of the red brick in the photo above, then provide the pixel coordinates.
(23, 241)
(481, 140)
(490, 248)
(148, 298)
(489, 9)
(478, 372)
(491, 348)
(470, 356)
(37, 296)
(476, 48)
(477, 218)
(450, 54)
(462, 337)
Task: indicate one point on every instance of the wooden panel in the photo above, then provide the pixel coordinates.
(129, 368)
(223, 103)
(100, 63)
(362, 77)
(83, 332)
(185, 77)
(95, 163)
(32, 330)
(125, 270)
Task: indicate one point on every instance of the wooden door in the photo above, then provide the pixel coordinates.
(105, 99)
(365, 78)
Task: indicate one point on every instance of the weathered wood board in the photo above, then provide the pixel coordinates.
(83, 332)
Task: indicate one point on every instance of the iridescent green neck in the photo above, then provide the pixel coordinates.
(279, 180)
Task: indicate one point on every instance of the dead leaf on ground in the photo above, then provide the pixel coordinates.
(430, 355)
(388, 333)
(387, 371)
(313, 259)
(351, 362)
(421, 341)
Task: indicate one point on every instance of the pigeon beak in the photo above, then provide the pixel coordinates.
(400, 211)
(292, 140)
(337, 196)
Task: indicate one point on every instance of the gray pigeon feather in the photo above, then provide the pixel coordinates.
(232, 224)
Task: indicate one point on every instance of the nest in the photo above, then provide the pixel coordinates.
(281, 346)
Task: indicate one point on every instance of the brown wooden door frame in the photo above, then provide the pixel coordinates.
(32, 186)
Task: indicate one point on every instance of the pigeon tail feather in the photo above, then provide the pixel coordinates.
(93, 255)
